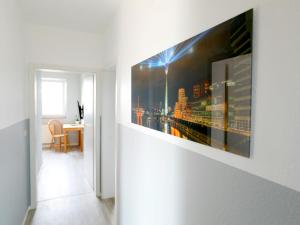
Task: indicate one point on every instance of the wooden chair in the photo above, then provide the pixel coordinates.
(56, 130)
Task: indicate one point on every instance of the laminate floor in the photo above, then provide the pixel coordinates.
(109, 209)
(64, 196)
(84, 209)
(61, 175)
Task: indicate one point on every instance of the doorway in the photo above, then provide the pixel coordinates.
(95, 163)
(65, 128)
(64, 161)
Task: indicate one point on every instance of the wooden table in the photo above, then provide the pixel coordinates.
(73, 127)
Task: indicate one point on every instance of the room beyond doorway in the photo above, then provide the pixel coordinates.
(102, 83)
(67, 88)
(65, 128)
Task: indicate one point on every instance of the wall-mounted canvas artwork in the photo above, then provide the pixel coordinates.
(200, 89)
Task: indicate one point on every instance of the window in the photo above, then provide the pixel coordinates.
(54, 97)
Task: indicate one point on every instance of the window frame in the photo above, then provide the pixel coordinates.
(56, 80)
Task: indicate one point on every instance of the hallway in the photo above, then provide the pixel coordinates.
(64, 196)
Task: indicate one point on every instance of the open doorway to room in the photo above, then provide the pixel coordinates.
(72, 138)
(65, 125)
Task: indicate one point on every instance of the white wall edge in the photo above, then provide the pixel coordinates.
(97, 135)
(32, 116)
(116, 219)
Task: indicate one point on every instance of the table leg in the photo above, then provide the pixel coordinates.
(65, 140)
(81, 142)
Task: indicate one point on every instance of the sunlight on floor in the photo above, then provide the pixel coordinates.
(62, 175)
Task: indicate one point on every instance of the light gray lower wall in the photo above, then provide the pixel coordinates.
(162, 184)
(14, 173)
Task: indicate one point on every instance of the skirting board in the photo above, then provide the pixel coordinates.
(26, 216)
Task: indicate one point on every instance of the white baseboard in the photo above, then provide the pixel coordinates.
(26, 216)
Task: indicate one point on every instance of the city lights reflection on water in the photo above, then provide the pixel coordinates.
(166, 127)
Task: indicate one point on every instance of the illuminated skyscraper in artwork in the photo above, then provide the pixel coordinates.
(139, 111)
(181, 104)
(196, 91)
(166, 92)
(169, 56)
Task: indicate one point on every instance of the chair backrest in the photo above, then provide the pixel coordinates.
(55, 127)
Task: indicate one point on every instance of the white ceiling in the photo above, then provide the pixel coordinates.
(80, 15)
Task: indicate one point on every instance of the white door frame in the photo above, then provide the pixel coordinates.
(33, 122)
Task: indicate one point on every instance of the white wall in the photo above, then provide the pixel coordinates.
(146, 29)
(144, 188)
(14, 160)
(13, 101)
(109, 45)
(62, 47)
(108, 128)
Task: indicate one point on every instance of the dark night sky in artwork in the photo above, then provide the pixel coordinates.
(192, 68)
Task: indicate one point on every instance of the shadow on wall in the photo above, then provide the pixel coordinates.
(164, 184)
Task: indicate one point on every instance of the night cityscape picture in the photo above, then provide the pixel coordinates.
(200, 89)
